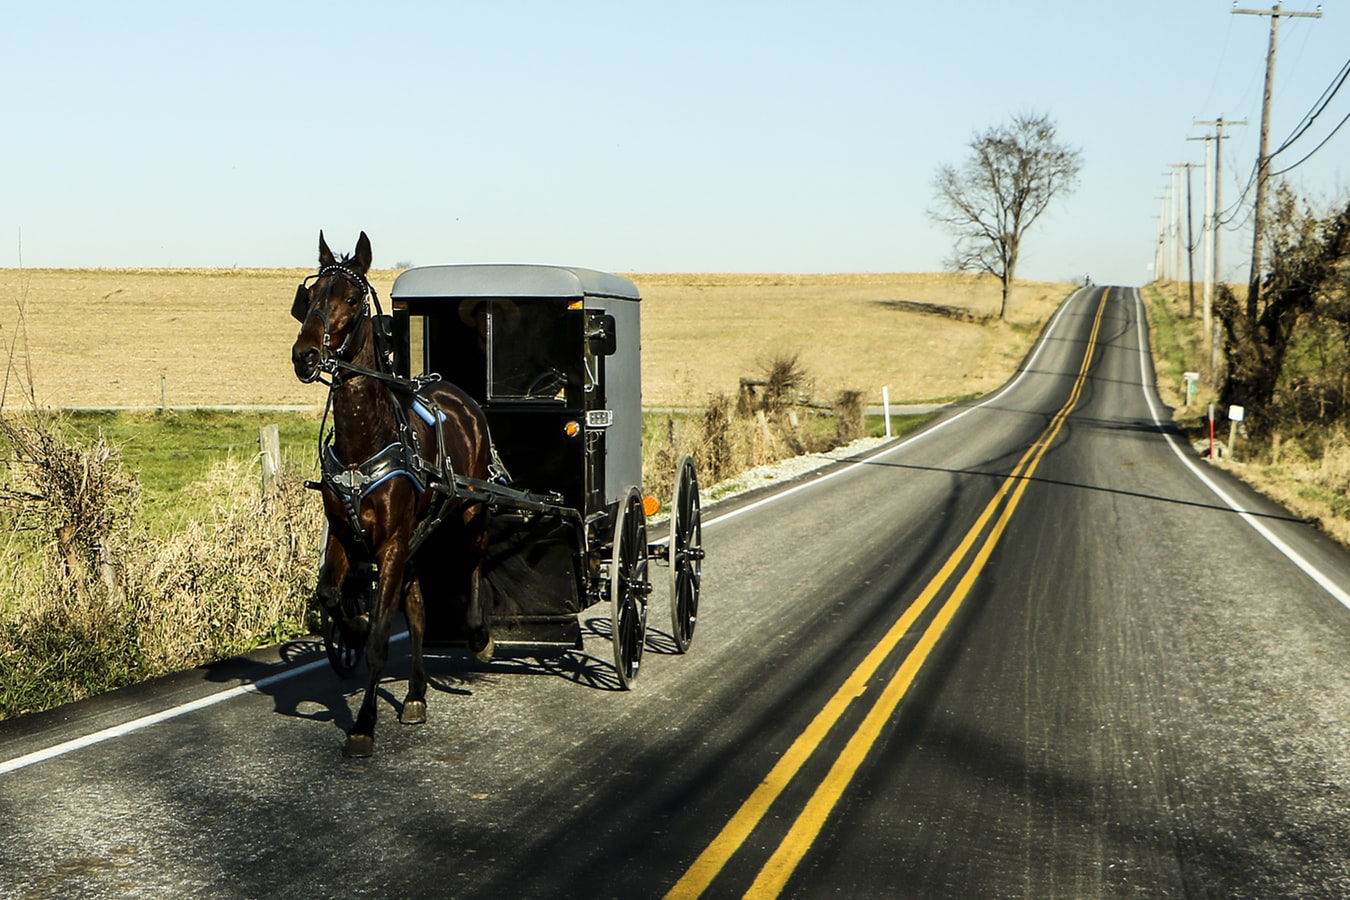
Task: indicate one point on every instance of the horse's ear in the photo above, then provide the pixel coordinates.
(301, 304)
(363, 254)
(326, 257)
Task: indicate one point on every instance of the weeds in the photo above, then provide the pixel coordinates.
(775, 416)
(96, 600)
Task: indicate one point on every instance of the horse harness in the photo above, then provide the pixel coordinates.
(352, 482)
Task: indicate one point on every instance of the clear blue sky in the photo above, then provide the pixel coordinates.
(630, 136)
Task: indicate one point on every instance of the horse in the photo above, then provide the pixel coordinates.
(393, 449)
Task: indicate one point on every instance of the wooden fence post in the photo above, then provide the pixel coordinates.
(269, 445)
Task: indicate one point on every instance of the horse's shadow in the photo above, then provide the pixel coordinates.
(328, 698)
(457, 672)
(449, 671)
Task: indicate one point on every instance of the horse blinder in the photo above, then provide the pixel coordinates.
(301, 304)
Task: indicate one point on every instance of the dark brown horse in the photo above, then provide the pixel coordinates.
(392, 443)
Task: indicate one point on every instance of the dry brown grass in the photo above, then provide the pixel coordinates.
(239, 581)
(701, 333)
(103, 337)
(1316, 487)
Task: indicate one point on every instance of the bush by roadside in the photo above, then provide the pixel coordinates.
(94, 599)
(1304, 464)
(773, 417)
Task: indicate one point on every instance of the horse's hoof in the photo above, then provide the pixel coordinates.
(414, 712)
(484, 653)
(359, 746)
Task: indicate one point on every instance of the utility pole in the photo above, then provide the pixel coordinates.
(1218, 125)
(1168, 231)
(1176, 219)
(1206, 272)
(1262, 157)
(1161, 254)
(1170, 212)
(1190, 237)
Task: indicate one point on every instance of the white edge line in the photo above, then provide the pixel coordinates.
(116, 731)
(1316, 574)
(173, 712)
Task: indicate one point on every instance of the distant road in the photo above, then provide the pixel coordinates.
(1035, 650)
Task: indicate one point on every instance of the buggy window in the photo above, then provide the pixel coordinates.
(502, 350)
(527, 349)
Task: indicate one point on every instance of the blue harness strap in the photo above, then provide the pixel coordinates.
(425, 414)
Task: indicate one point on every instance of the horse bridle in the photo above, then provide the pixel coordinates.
(404, 457)
(328, 357)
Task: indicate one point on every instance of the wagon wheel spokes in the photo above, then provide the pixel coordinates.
(686, 553)
(629, 587)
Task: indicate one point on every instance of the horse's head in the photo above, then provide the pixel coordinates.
(330, 305)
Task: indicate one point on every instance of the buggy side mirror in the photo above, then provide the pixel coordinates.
(602, 335)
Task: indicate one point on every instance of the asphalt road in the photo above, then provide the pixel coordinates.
(1033, 651)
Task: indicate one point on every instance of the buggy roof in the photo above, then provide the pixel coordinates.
(513, 280)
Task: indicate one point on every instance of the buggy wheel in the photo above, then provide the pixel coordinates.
(346, 646)
(629, 587)
(686, 553)
(344, 654)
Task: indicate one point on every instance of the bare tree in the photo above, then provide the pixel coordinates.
(990, 201)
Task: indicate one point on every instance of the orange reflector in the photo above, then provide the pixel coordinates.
(572, 429)
(575, 304)
(650, 505)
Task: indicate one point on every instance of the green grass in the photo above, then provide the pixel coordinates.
(1335, 500)
(169, 452)
(1176, 338)
(875, 426)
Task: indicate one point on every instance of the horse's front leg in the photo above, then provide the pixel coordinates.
(392, 561)
(480, 629)
(477, 615)
(415, 703)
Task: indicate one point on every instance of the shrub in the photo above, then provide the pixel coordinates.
(848, 416)
(102, 602)
(771, 419)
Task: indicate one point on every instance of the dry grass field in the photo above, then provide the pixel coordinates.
(105, 337)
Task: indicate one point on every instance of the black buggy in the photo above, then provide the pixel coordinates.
(552, 355)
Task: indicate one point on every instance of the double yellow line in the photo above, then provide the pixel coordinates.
(780, 866)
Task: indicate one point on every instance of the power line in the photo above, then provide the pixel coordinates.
(1229, 216)
(1318, 108)
(1320, 145)
(1229, 213)
(1218, 124)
